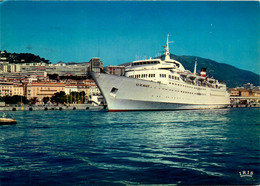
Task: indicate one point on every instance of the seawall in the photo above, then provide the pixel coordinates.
(51, 107)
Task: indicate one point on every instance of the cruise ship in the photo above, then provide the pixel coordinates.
(161, 84)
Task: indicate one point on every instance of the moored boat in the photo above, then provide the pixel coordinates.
(7, 121)
(161, 84)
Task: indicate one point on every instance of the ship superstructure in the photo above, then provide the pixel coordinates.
(156, 84)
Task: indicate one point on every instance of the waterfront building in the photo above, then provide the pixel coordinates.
(84, 88)
(87, 86)
(6, 89)
(70, 88)
(40, 90)
(94, 90)
(92, 87)
(18, 90)
(11, 89)
(234, 92)
(245, 93)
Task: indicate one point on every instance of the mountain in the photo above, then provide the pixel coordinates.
(232, 76)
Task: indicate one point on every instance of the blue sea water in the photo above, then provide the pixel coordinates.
(81, 147)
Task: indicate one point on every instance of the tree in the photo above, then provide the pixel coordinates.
(82, 96)
(59, 97)
(45, 100)
(15, 99)
(33, 100)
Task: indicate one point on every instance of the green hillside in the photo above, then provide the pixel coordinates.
(22, 57)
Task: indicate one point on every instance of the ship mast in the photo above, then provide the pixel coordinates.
(166, 48)
(195, 67)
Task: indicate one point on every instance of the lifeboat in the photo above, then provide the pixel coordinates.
(211, 80)
(192, 76)
(183, 74)
(201, 78)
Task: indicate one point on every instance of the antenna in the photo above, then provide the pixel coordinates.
(195, 67)
(166, 48)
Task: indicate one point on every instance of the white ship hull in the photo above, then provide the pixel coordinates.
(130, 94)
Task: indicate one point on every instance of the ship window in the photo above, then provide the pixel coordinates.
(114, 90)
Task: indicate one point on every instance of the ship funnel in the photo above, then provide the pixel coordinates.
(203, 72)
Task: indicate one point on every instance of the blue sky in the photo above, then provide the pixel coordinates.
(120, 32)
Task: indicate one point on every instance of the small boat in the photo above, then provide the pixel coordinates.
(192, 76)
(7, 121)
(201, 78)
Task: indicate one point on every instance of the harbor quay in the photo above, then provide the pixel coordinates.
(88, 106)
(244, 101)
(52, 107)
(254, 105)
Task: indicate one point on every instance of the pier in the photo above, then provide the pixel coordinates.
(51, 107)
(242, 102)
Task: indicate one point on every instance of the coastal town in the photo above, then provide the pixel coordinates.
(40, 82)
(36, 83)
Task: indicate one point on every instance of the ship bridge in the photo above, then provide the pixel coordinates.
(146, 62)
(166, 64)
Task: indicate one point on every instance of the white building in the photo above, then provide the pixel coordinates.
(70, 88)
